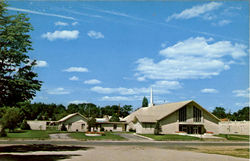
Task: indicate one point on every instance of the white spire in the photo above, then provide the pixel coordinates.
(151, 98)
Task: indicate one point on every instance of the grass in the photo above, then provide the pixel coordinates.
(170, 137)
(42, 134)
(107, 136)
(234, 137)
(232, 151)
(28, 134)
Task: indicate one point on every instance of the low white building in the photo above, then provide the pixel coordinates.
(74, 122)
(234, 127)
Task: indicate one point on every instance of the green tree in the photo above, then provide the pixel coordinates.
(242, 114)
(18, 82)
(157, 129)
(11, 119)
(91, 123)
(114, 118)
(145, 102)
(220, 112)
(25, 125)
(125, 110)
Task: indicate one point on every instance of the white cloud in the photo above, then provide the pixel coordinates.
(77, 102)
(121, 98)
(74, 23)
(224, 22)
(95, 35)
(39, 13)
(242, 104)
(65, 34)
(76, 69)
(59, 23)
(159, 87)
(141, 79)
(209, 90)
(58, 91)
(191, 59)
(92, 81)
(41, 63)
(74, 78)
(196, 11)
(242, 93)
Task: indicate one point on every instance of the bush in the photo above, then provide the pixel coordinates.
(63, 128)
(131, 130)
(3, 133)
(102, 129)
(25, 125)
(10, 119)
(157, 129)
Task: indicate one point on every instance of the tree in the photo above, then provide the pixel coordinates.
(125, 110)
(219, 112)
(114, 118)
(242, 114)
(18, 82)
(145, 102)
(157, 129)
(91, 123)
(10, 119)
(25, 125)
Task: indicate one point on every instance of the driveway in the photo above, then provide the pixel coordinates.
(132, 137)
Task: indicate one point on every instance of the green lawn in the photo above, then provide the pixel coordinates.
(27, 134)
(235, 137)
(170, 137)
(107, 136)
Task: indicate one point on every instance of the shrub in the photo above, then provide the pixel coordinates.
(131, 130)
(63, 128)
(157, 129)
(25, 125)
(102, 129)
(3, 133)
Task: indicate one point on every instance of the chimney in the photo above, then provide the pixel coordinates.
(151, 98)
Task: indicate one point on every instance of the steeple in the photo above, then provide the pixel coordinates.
(151, 98)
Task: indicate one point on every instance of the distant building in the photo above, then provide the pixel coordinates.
(234, 127)
(105, 125)
(74, 122)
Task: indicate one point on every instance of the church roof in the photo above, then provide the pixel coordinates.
(158, 112)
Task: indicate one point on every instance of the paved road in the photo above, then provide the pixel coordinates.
(127, 143)
(131, 137)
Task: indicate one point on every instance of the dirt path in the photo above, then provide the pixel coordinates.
(60, 136)
(132, 137)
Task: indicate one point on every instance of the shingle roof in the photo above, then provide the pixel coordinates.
(154, 113)
(69, 116)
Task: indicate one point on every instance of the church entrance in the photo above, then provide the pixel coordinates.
(191, 129)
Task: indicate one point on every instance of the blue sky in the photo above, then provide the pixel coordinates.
(114, 52)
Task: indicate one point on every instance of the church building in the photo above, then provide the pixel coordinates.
(180, 117)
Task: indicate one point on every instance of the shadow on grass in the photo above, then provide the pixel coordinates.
(10, 157)
(40, 147)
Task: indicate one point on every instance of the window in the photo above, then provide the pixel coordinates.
(114, 126)
(183, 114)
(83, 125)
(196, 114)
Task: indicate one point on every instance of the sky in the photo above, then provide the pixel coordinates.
(114, 52)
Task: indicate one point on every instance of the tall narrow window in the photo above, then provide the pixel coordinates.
(196, 114)
(183, 114)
